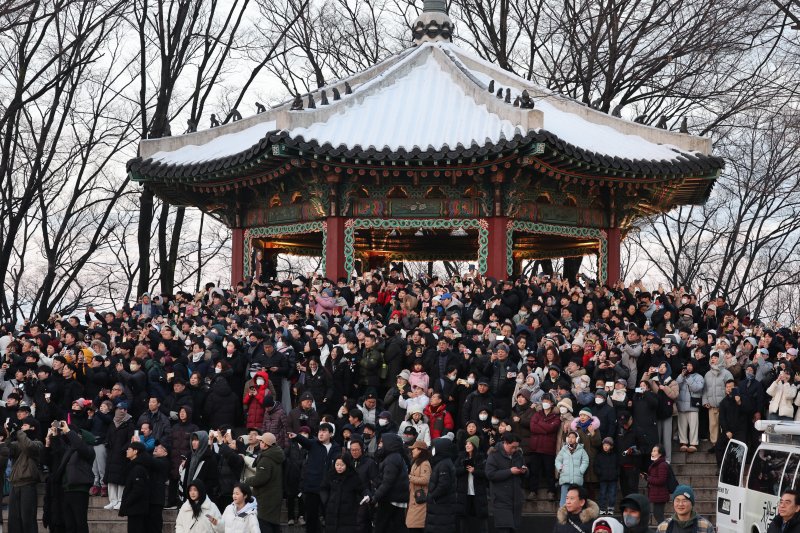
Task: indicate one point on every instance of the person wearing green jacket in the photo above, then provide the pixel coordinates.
(267, 483)
(572, 462)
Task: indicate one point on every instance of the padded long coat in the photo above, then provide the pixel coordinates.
(506, 488)
(442, 497)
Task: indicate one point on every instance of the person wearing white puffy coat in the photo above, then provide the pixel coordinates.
(241, 516)
(782, 393)
(203, 519)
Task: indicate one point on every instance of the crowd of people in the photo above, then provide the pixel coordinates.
(381, 403)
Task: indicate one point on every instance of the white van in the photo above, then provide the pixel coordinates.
(749, 505)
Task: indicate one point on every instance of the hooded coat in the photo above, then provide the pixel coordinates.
(506, 488)
(220, 407)
(267, 484)
(201, 465)
(254, 403)
(592, 443)
(117, 440)
(345, 493)
(392, 484)
(638, 501)
(571, 466)
(187, 523)
(276, 422)
(244, 521)
(442, 498)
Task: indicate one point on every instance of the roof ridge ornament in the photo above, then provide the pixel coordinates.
(433, 24)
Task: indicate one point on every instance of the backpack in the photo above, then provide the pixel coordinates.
(672, 481)
(664, 409)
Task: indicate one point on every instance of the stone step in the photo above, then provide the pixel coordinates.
(688, 469)
(700, 457)
(103, 515)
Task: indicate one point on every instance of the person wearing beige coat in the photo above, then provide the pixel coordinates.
(418, 478)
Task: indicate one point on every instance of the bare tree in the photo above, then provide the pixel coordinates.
(61, 119)
(744, 243)
(175, 36)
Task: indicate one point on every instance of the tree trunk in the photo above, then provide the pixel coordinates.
(145, 221)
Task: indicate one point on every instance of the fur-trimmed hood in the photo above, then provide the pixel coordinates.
(588, 515)
(594, 425)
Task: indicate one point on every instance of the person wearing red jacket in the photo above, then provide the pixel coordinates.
(254, 399)
(545, 424)
(439, 419)
(657, 478)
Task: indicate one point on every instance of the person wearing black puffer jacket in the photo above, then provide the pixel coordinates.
(346, 492)
(391, 494)
(76, 477)
(221, 404)
(442, 497)
(135, 502)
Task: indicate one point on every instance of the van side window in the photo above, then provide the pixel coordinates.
(732, 464)
(766, 471)
(789, 480)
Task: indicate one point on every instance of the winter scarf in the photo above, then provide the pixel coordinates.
(120, 417)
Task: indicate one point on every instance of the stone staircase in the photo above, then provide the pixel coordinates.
(699, 470)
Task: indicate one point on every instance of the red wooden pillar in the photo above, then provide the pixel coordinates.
(237, 256)
(613, 257)
(334, 249)
(496, 262)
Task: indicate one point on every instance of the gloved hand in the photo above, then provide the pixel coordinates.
(364, 500)
(173, 415)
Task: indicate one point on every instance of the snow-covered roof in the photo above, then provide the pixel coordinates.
(225, 145)
(429, 99)
(422, 108)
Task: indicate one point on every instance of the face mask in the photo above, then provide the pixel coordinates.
(599, 401)
(546, 405)
(279, 345)
(253, 343)
(471, 381)
(452, 378)
(483, 417)
(259, 381)
(630, 520)
(207, 342)
(252, 374)
(684, 301)
(383, 422)
(196, 357)
(445, 323)
(134, 368)
(367, 438)
(563, 410)
(750, 376)
(217, 370)
(495, 421)
(520, 380)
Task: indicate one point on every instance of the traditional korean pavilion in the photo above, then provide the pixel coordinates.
(432, 154)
